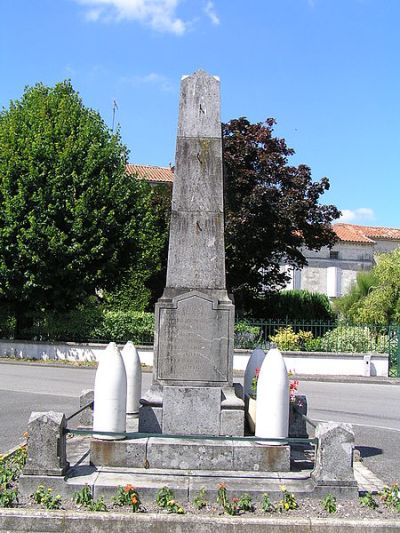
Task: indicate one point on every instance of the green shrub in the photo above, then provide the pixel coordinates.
(313, 345)
(287, 502)
(126, 325)
(11, 466)
(8, 497)
(329, 503)
(245, 503)
(367, 500)
(355, 339)
(247, 335)
(165, 498)
(7, 324)
(127, 496)
(84, 498)
(200, 500)
(75, 325)
(45, 497)
(293, 305)
(287, 340)
(92, 322)
(391, 496)
(266, 505)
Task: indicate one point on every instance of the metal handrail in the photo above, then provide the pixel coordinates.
(80, 410)
(136, 435)
(305, 417)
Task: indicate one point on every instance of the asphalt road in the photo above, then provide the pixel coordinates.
(374, 410)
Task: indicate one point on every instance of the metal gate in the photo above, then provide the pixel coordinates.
(394, 351)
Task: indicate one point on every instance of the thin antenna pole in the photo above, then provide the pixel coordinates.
(114, 108)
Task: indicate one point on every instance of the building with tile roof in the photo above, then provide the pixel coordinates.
(332, 271)
(154, 175)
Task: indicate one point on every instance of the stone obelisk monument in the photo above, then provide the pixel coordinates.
(192, 391)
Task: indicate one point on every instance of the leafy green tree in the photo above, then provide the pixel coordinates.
(137, 287)
(381, 305)
(71, 221)
(161, 203)
(348, 304)
(272, 209)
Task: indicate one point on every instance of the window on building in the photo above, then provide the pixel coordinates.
(296, 279)
(334, 255)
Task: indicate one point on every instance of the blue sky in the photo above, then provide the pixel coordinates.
(327, 70)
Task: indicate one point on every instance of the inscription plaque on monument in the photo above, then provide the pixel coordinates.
(192, 337)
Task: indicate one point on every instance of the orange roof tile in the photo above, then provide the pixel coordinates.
(151, 173)
(364, 234)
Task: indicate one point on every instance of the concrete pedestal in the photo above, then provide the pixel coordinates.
(194, 454)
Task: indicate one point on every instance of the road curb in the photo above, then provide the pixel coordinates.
(13, 520)
(370, 380)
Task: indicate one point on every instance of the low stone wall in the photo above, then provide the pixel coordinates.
(317, 363)
(63, 351)
(16, 520)
(328, 364)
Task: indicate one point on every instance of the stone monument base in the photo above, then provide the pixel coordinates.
(185, 410)
(190, 454)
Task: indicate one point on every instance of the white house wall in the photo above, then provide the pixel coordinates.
(384, 246)
(352, 258)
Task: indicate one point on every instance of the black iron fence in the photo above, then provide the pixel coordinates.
(319, 336)
(288, 335)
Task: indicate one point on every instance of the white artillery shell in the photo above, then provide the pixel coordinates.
(133, 370)
(255, 361)
(110, 394)
(272, 414)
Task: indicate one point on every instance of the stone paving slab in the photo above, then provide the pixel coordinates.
(367, 481)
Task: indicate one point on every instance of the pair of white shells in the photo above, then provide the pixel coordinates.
(117, 389)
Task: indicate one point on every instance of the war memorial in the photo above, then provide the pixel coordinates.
(190, 430)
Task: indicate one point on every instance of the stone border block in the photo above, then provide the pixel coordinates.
(47, 453)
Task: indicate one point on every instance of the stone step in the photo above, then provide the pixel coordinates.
(185, 483)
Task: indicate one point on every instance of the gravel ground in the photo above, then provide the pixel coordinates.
(307, 508)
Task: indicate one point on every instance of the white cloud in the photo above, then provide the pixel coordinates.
(357, 215)
(158, 14)
(211, 13)
(159, 80)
